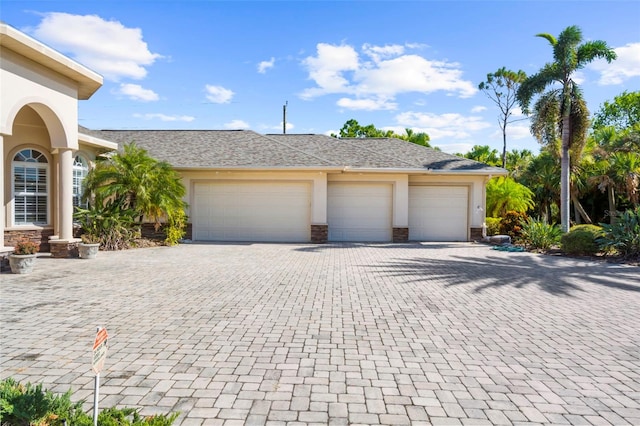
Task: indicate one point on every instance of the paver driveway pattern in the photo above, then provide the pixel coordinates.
(334, 334)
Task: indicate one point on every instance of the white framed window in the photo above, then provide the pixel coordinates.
(30, 188)
(80, 170)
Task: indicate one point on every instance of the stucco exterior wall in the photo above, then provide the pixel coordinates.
(25, 82)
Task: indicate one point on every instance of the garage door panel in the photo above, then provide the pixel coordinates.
(438, 213)
(360, 212)
(252, 211)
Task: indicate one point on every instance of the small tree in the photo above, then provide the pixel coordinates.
(501, 87)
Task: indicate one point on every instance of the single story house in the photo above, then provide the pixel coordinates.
(241, 185)
(245, 186)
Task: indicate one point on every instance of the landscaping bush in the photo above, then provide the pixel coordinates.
(109, 224)
(493, 225)
(582, 239)
(538, 234)
(511, 224)
(623, 236)
(30, 405)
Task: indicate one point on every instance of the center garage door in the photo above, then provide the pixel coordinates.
(438, 213)
(252, 211)
(359, 211)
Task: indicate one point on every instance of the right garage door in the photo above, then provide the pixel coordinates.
(438, 213)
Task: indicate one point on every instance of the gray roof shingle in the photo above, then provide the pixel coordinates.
(220, 149)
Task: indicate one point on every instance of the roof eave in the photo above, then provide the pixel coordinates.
(88, 81)
(96, 142)
(486, 172)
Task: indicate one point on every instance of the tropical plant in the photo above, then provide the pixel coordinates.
(27, 404)
(568, 57)
(581, 239)
(25, 246)
(621, 113)
(623, 235)
(505, 194)
(175, 229)
(501, 87)
(493, 225)
(134, 180)
(538, 234)
(518, 161)
(110, 224)
(542, 178)
(511, 224)
(484, 154)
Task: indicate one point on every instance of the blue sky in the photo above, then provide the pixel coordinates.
(232, 65)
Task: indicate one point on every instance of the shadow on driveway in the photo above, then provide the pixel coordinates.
(555, 275)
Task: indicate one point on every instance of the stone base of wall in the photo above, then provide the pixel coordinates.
(319, 234)
(39, 236)
(476, 234)
(400, 235)
(64, 249)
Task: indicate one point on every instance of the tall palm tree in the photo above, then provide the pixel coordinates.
(568, 57)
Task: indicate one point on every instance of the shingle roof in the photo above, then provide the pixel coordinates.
(215, 149)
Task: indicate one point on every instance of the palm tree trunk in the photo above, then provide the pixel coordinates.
(611, 196)
(564, 161)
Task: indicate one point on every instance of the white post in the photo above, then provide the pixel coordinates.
(2, 202)
(65, 196)
(96, 393)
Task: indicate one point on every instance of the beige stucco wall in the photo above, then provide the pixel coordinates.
(24, 82)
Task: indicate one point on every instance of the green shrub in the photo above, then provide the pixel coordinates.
(109, 224)
(493, 225)
(27, 404)
(623, 236)
(538, 234)
(581, 239)
(511, 224)
(175, 229)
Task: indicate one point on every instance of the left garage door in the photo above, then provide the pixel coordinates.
(252, 211)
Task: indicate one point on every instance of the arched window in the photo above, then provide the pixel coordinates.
(80, 170)
(30, 188)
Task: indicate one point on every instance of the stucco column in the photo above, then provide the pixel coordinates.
(65, 194)
(2, 191)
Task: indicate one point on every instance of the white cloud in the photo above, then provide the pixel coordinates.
(366, 104)
(164, 117)
(518, 131)
(451, 125)
(328, 67)
(218, 94)
(236, 124)
(579, 77)
(107, 47)
(136, 92)
(478, 108)
(626, 66)
(265, 65)
(380, 52)
(339, 69)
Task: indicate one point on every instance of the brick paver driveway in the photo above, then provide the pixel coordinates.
(337, 334)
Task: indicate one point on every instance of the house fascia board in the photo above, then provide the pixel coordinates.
(88, 81)
(496, 172)
(262, 169)
(97, 142)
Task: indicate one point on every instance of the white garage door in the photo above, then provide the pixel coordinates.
(359, 212)
(252, 211)
(438, 213)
